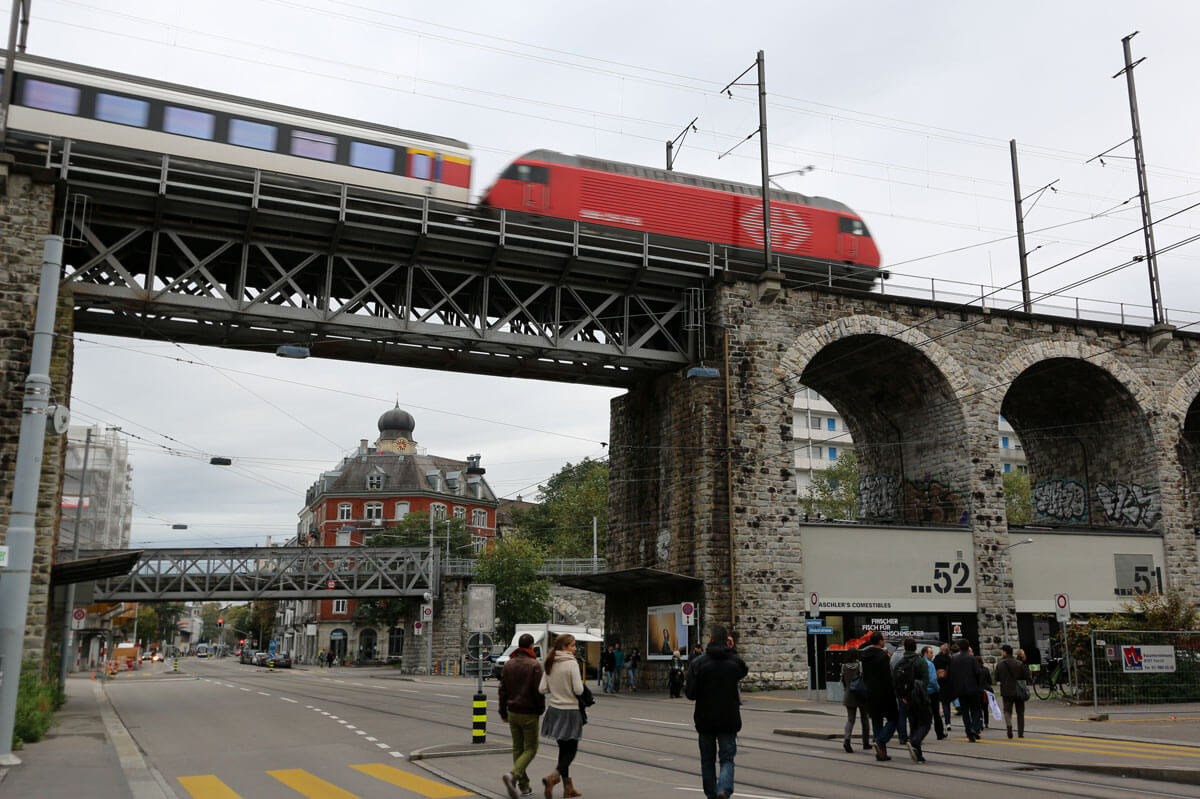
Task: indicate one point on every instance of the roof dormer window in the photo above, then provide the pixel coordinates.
(374, 482)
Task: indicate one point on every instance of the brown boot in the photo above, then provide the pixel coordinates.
(569, 788)
(550, 782)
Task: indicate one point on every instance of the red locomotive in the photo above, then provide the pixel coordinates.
(827, 236)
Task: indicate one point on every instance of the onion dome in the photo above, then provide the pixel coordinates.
(396, 424)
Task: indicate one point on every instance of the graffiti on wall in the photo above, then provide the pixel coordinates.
(931, 501)
(1129, 505)
(877, 496)
(1060, 500)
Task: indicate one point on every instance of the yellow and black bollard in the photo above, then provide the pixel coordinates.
(479, 720)
(176, 667)
(271, 664)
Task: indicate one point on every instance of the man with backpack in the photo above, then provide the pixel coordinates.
(881, 697)
(909, 678)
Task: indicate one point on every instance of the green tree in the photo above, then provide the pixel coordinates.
(512, 565)
(562, 523)
(168, 620)
(262, 620)
(237, 622)
(834, 491)
(1018, 498)
(147, 624)
(413, 531)
(209, 613)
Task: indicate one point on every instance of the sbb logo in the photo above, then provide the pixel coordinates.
(1132, 656)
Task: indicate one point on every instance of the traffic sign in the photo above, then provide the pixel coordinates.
(1062, 607)
(417, 627)
(427, 613)
(478, 645)
(689, 613)
(810, 623)
(332, 584)
(77, 617)
(820, 630)
(3, 556)
(814, 604)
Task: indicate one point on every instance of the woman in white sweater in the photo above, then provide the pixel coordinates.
(563, 721)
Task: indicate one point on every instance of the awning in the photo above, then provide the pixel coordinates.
(585, 637)
(639, 579)
(94, 568)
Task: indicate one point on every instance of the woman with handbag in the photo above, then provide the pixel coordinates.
(563, 720)
(1012, 676)
(852, 671)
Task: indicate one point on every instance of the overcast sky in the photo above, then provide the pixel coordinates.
(903, 110)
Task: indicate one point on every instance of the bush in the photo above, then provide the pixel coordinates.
(38, 696)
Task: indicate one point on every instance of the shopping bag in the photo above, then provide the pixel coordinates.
(994, 706)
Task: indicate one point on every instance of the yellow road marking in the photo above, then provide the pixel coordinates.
(412, 782)
(207, 786)
(779, 699)
(1176, 749)
(1094, 751)
(313, 787)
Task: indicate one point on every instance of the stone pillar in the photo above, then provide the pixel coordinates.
(26, 211)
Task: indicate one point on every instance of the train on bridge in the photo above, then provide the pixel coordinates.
(59, 101)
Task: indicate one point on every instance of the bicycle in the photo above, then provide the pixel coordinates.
(1051, 679)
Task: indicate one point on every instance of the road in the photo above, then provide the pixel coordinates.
(224, 730)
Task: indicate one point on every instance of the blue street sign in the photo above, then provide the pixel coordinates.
(814, 622)
(820, 631)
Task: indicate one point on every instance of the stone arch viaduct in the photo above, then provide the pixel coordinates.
(702, 478)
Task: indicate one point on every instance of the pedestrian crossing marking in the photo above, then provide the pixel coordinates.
(412, 782)
(309, 785)
(207, 786)
(1142, 746)
(1095, 750)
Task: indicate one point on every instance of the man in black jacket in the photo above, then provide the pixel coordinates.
(966, 684)
(881, 697)
(712, 683)
(520, 705)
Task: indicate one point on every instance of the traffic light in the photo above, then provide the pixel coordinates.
(242, 641)
(220, 622)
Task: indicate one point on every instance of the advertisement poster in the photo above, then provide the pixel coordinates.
(665, 632)
(1148, 659)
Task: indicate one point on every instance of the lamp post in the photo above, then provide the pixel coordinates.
(1003, 593)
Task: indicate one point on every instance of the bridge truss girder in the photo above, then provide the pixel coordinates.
(251, 573)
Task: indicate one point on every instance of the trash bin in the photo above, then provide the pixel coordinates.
(834, 692)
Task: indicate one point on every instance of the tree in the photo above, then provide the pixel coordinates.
(521, 595)
(237, 622)
(413, 531)
(209, 613)
(1018, 499)
(262, 620)
(570, 500)
(834, 491)
(147, 624)
(168, 620)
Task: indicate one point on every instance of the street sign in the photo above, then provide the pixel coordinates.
(1062, 607)
(77, 618)
(478, 645)
(814, 604)
(820, 630)
(481, 608)
(3, 557)
(810, 623)
(427, 613)
(417, 627)
(689, 613)
(332, 584)
(956, 629)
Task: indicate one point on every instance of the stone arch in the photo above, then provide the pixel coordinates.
(1181, 410)
(1031, 354)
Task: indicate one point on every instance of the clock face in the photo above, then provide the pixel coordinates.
(401, 443)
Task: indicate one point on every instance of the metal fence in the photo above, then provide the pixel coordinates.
(1136, 667)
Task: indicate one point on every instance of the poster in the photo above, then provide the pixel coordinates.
(665, 632)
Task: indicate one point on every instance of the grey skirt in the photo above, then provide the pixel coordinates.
(562, 725)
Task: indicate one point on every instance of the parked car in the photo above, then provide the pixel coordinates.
(260, 658)
(157, 657)
(282, 661)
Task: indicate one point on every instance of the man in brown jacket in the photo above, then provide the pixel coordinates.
(520, 705)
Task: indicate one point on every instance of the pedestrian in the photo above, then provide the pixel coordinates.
(632, 663)
(941, 665)
(320, 659)
(881, 697)
(521, 703)
(912, 697)
(985, 682)
(851, 671)
(712, 683)
(1011, 675)
(329, 658)
(563, 720)
(675, 676)
(966, 683)
(934, 687)
(607, 664)
(696, 652)
(618, 668)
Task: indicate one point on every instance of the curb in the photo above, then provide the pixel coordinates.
(457, 750)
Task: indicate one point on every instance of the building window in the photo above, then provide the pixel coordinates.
(395, 642)
(479, 517)
(339, 605)
(815, 422)
(478, 542)
(374, 482)
(817, 452)
(460, 512)
(833, 453)
(343, 538)
(831, 425)
(373, 511)
(1007, 468)
(344, 512)
(1004, 442)
(437, 510)
(401, 510)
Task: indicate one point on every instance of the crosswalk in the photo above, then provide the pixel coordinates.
(307, 784)
(1111, 748)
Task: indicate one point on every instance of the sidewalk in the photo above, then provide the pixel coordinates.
(87, 752)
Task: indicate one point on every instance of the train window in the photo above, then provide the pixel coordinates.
(372, 156)
(854, 226)
(188, 122)
(527, 173)
(122, 110)
(314, 145)
(51, 96)
(258, 135)
(420, 164)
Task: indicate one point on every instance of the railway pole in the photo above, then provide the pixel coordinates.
(22, 531)
(762, 145)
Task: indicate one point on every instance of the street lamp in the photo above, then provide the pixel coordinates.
(1003, 593)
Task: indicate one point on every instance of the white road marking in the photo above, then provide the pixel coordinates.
(383, 746)
(753, 795)
(358, 685)
(351, 727)
(361, 732)
(407, 691)
(369, 738)
(448, 696)
(343, 682)
(656, 721)
(395, 754)
(342, 721)
(247, 690)
(263, 693)
(285, 699)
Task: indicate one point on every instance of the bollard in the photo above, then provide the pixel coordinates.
(271, 664)
(479, 719)
(176, 666)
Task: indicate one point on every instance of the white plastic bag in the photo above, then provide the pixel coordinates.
(994, 706)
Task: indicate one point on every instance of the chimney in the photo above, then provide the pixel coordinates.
(362, 446)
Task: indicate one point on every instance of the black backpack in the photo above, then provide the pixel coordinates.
(904, 678)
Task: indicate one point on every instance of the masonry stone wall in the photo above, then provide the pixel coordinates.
(26, 209)
(1107, 417)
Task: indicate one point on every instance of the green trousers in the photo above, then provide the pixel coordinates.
(524, 729)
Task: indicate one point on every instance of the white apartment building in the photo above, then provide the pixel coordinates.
(103, 505)
(821, 437)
